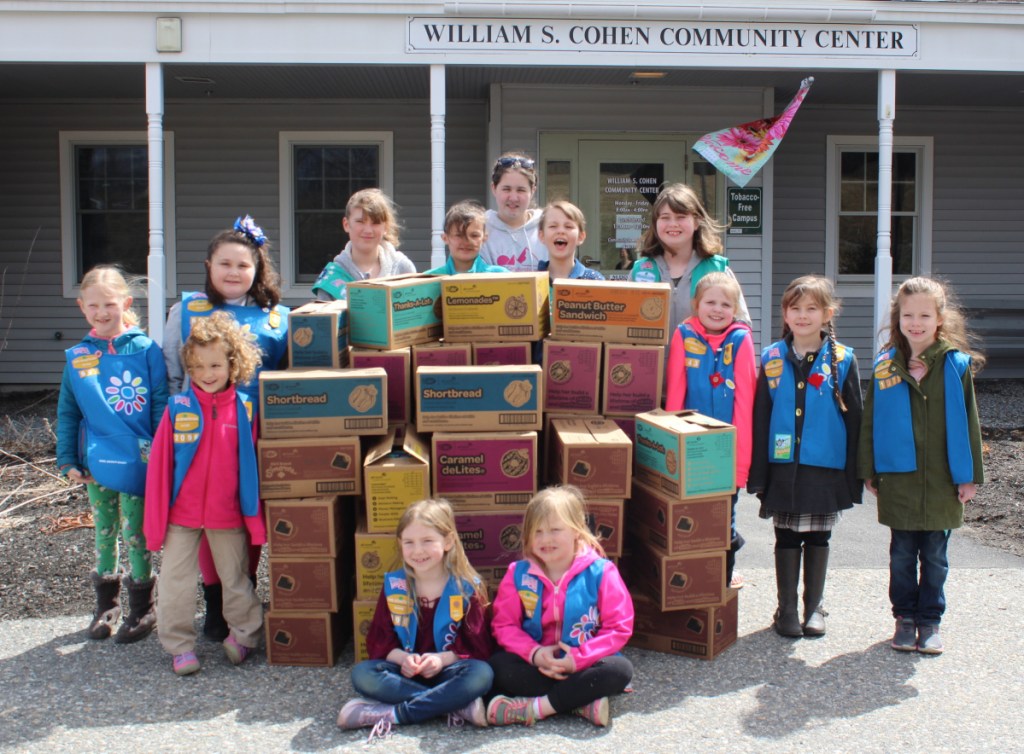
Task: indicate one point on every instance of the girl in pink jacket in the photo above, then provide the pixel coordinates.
(561, 617)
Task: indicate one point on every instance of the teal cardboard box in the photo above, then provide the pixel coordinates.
(683, 454)
(393, 312)
(318, 335)
(323, 402)
(479, 399)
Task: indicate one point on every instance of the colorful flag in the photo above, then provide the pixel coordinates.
(739, 152)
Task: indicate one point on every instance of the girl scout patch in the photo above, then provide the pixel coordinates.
(529, 600)
(773, 368)
(727, 354)
(199, 305)
(782, 447)
(455, 607)
(695, 346)
(274, 319)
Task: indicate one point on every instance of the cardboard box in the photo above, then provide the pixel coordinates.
(606, 311)
(376, 554)
(397, 364)
(305, 639)
(491, 576)
(627, 424)
(304, 583)
(684, 454)
(594, 455)
(572, 377)
(678, 582)
(392, 312)
(704, 633)
(323, 402)
(480, 470)
(309, 526)
(632, 378)
(479, 399)
(605, 519)
(549, 469)
(680, 526)
(491, 538)
(438, 354)
(502, 354)
(491, 306)
(362, 619)
(309, 467)
(318, 335)
(396, 474)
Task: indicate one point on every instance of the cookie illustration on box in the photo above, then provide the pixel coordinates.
(685, 523)
(622, 374)
(303, 337)
(364, 627)
(604, 531)
(695, 624)
(516, 307)
(560, 371)
(285, 583)
(515, 463)
(518, 392)
(283, 638)
(284, 527)
(671, 464)
(661, 516)
(678, 580)
(363, 398)
(370, 561)
(511, 538)
(341, 461)
(719, 627)
(652, 308)
(581, 469)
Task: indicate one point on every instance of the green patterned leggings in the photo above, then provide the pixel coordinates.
(114, 511)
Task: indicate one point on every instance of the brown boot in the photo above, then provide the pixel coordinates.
(108, 605)
(141, 618)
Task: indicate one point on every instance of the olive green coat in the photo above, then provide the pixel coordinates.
(925, 499)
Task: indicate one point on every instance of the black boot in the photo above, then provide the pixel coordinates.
(787, 577)
(815, 566)
(215, 627)
(108, 605)
(141, 618)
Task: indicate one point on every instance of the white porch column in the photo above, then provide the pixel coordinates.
(155, 137)
(883, 256)
(437, 135)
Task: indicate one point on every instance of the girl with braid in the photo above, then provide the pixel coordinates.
(807, 413)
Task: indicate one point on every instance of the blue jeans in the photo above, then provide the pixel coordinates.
(922, 599)
(419, 699)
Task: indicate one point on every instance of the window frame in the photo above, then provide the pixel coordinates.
(384, 140)
(924, 148)
(69, 140)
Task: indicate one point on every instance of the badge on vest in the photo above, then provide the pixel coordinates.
(400, 607)
(727, 354)
(773, 368)
(455, 607)
(200, 305)
(274, 319)
(782, 449)
(695, 346)
(529, 600)
(87, 365)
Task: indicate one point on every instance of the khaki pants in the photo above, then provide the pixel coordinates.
(176, 604)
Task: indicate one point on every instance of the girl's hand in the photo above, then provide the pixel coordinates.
(430, 665)
(870, 484)
(411, 665)
(566, 663)
(80, 477)
(546, 662)
(966, 492)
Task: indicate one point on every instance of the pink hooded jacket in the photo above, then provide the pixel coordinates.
(615, 608)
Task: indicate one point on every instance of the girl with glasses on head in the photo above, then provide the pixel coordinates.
(512, 240)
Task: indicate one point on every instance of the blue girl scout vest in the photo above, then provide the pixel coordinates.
(332, 281)
(268, 327)
(710, 384)
(186, 419)
(580, 619)
(893, 439)
(451, 609)
(823, 441)
(645, 270)
(113, 392)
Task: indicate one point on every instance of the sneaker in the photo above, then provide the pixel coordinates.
(473, 713)
(363, 713)
(186, 663)
(510, 710)
(928, 640)
(905, 637)
(596, 712)
(236, 652)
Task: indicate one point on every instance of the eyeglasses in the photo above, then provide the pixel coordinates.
(513, 162)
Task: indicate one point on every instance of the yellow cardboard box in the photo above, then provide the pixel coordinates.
(491, 306)
(376, 554)
(396, 473)
(362, 619)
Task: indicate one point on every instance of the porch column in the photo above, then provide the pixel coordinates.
(155, 138)
(437, 206)
(883, 256)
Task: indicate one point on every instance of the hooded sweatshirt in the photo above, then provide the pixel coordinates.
(516, 249)
(392, 262)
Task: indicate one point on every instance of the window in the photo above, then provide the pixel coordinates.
(852, 209)
(319, 172)
(105, 204)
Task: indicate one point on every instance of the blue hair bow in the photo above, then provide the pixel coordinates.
(252, 231)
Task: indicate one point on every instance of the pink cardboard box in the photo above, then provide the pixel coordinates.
(633, 377)
(572, 377)
(502, 354)
(439, 354)
(484, 469)
(397, 364)
(491, 538)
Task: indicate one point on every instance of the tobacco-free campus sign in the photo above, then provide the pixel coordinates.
(439, 34)
(744, 211)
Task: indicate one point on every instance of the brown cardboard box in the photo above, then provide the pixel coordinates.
(309, 527)
(480, 470)
(594, 455)
(479, 399)
(605, 521)
(397, 364)
(502, 354)
(678, 582)
(549, 469)
(393, 312)
(376, 554)
(491, 576)
(680, 526)
(323, 402)
(684, 454)
(704, 633)
(491, 538)
(304, 638)
(439, 354)
(606, 311)
(572, 377)
(627, 424)
(318, 335)
(491, 306)
(362, 619)
(309, 467)
(632, 379)
(308, 584)
(396, 474)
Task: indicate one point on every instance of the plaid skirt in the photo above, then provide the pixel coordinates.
(801, 522)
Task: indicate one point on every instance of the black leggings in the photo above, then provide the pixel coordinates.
(787, 539)
(514, 676)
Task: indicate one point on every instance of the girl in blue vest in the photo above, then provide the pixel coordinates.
(203, 484)
(561, 617)
(465, 230)
(371, 252)
(807, 412)
(562, 229)
(112, 395)
(682, 245)
(430, 639)
(711, 369)
(240, 280)
(920, 451)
